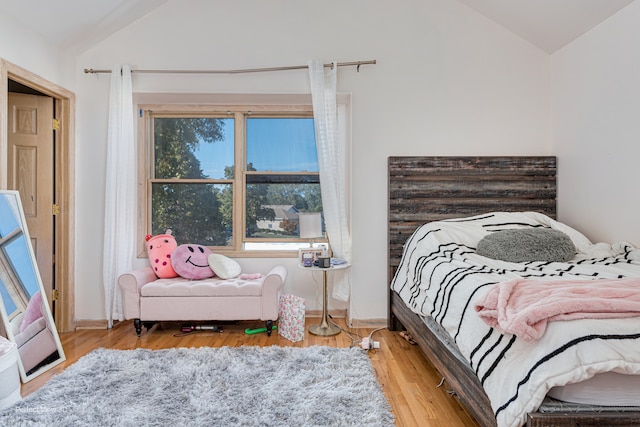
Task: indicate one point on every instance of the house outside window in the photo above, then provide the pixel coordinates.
(231, 178)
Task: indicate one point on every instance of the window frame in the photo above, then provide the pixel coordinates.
(239, 113)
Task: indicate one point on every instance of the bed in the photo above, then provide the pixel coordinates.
(425, 192)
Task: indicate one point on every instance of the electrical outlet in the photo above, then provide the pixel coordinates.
(366, 344)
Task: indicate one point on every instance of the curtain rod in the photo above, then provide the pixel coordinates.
(239, 71)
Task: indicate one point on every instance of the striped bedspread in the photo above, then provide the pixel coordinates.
(440, 275)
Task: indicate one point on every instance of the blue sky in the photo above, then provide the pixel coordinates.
(272, 144)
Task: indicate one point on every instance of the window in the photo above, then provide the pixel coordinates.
(234, 179)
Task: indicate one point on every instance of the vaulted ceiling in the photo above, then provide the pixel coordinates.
(78, 24)
(548, 24)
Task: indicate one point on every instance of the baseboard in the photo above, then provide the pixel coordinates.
(91, 324)
(337, 314)
(368, 323)
(96, 324)
(355, 323)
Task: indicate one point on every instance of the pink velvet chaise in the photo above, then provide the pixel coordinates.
(148, 300)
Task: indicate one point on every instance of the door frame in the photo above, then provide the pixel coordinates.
(64, 140)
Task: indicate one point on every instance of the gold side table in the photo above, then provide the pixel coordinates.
(324, 328)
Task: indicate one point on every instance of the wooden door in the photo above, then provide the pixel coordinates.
(30, 167)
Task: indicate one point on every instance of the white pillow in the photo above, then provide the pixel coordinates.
(224, 267)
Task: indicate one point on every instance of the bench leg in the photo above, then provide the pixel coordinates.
(269, 327)
(138, 325)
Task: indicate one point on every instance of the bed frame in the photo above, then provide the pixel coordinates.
(425, 189)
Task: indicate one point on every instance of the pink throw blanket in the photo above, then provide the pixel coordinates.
(524, 306)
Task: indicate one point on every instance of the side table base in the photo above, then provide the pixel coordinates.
(325, 330)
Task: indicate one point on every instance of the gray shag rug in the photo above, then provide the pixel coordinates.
(245, 386)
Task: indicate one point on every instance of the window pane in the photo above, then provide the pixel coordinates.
(281, 144)
(193, 148)
(196, 213)
(272, 209)
(9, 305)
(18, 255)
(9, 217)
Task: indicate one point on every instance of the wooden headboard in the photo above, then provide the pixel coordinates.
(425, 189)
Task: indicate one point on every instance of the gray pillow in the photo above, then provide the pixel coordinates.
(527, 244)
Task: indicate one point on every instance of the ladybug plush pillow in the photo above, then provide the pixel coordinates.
(159, 250)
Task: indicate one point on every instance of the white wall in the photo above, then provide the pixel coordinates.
(448, 82)
(596, 129)
(34, 53)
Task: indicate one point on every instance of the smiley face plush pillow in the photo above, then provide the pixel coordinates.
(191, 261)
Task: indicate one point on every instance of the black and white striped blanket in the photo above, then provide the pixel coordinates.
(441, 276)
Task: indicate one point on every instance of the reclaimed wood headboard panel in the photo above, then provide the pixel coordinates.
(425, 189)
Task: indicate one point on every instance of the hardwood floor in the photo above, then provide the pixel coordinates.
(408, 380)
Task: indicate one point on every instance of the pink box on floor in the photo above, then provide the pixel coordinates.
(291, 314)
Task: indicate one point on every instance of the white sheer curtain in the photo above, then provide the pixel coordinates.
(120, 191)
(332, 160)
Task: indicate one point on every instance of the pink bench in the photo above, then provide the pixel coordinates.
(147, 299)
